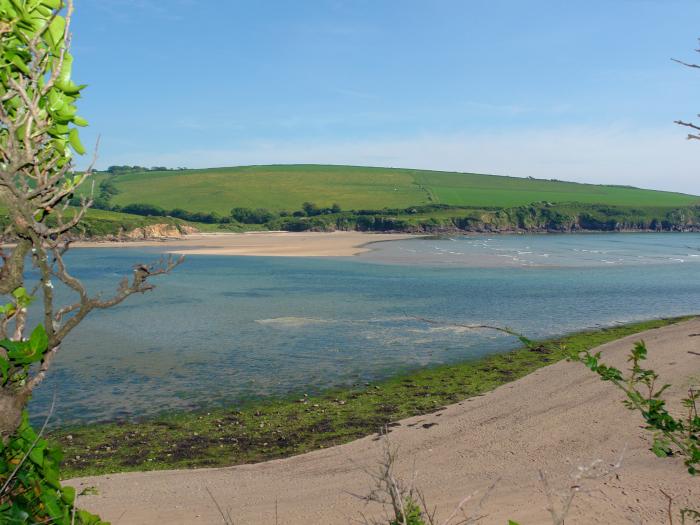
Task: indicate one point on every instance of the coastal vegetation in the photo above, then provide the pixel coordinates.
(329, 198)
(268, 429)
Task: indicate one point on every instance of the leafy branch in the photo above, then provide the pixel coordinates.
(672, 435)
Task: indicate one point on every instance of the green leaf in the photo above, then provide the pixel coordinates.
(27, 352)
(68, 494)
(19, 64)
(66, 69)
(13, 346)
(36, 456)
(74, 139)
(4, 369)
(39, 340)
(56, 31)
(22, 298)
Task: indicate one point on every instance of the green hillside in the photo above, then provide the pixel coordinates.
(286, 187)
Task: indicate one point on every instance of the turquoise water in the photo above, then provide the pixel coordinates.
(225, 329)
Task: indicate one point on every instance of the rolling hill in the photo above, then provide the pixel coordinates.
(286, 187)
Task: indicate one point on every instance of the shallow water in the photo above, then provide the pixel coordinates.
(545, 250)
(225, 329)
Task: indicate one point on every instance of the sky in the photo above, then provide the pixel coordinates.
(580, 90)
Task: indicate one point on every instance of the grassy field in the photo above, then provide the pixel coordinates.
(265, 430)
(286, 187)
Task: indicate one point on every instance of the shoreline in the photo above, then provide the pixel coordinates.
(357, 411)
(308, 244)
(267, 244)
(542, 417)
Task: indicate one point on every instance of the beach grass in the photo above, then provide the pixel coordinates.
(263, 430)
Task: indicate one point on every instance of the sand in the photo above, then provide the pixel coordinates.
(271, 244)
(555, 419)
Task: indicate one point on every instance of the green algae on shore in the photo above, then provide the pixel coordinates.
(268, 429)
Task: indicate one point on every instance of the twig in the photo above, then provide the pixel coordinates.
(218, 507)
(670, 506)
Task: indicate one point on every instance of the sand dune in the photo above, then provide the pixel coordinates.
(555, 419)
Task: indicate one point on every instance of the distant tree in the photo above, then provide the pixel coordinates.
(252, 216)
(108, 189)
(335, 208)
(179, 213)
(114, 170)
(694, 134)
(207, 218)
(144, 209)
(310, 209)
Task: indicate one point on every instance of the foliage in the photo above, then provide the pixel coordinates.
(535, 217)
(21, 354)
(32, 493)
(107, 190)
(113, 170)
(33, 31)
(250, 216)
(311, 209)
(29, 466)
(410, 515)
(672, 435)
(38, 138)
(143, 209)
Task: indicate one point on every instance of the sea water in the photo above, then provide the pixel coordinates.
(222, 330)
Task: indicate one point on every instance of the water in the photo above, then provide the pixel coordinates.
(222, 330)
(582, 250)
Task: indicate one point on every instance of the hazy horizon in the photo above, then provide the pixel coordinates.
(547, 90)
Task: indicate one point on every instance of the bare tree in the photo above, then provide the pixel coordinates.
(694, 133)
(37, 181)
(405, 504)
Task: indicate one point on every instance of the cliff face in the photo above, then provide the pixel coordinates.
(542, 218)
(157, 231)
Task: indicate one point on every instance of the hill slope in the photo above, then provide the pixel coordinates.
(286, 187)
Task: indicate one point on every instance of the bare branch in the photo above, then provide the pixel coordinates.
(686, 64)
(687, 124)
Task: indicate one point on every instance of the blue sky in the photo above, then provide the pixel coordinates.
(576, 90)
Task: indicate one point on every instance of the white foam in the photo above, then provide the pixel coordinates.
(291, 322)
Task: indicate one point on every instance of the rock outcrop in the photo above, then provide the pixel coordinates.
(157, 231)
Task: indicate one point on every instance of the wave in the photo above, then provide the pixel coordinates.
(292, 322)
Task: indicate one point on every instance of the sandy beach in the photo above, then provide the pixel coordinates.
(553, 420)
(271, 244)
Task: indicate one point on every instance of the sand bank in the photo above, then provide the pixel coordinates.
(271, 244)
(555, 419)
